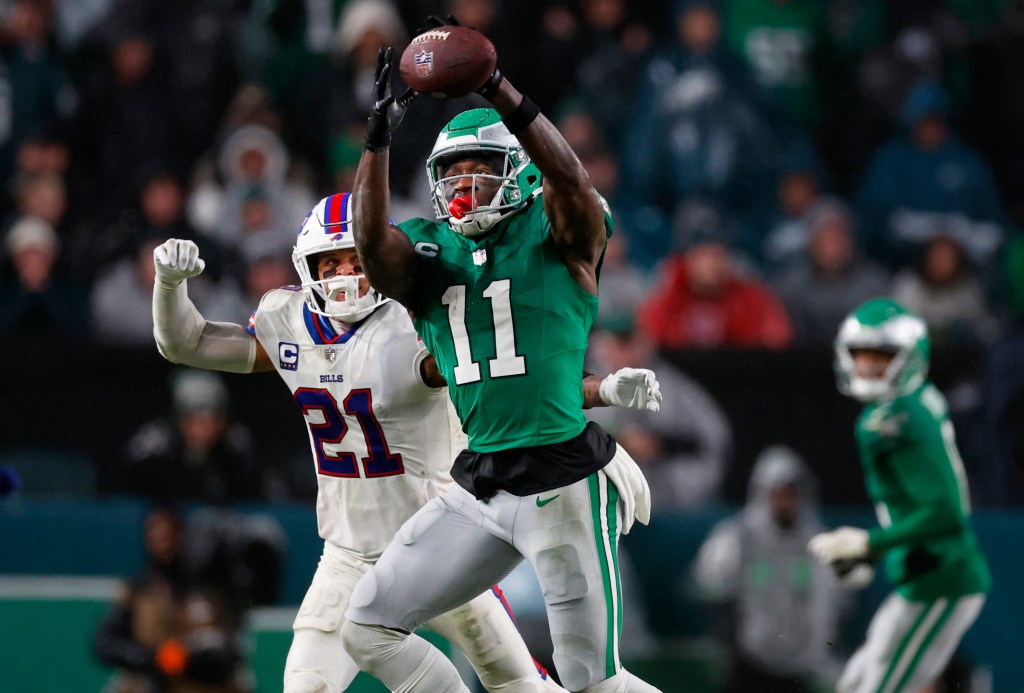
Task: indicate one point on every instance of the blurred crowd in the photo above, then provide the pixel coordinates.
(771, 165)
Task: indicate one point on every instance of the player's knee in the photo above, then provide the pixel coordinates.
(370, 644)
(305, 682)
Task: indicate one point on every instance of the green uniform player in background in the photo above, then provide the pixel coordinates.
(916, 480)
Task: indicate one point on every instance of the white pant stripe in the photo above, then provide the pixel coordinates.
(613, 573)
(910, 651)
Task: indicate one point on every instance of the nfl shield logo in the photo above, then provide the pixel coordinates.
(331, 354)
(424, 63)
(480, 256)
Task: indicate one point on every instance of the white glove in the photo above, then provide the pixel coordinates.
(632, 388)
(629, 481)
(855, 576)
(845, 543)
(177, 260)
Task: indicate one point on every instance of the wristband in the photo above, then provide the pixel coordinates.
(524, 114)
(491, 85)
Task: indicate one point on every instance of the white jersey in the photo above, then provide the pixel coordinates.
(382, 441)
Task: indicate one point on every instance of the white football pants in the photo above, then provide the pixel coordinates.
(909, 644)
(483, 629)
(456, 546)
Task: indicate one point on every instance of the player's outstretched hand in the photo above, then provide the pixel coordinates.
(854, 574)
(387, 111)
(632, 388)
(177, 260)
(842, 544)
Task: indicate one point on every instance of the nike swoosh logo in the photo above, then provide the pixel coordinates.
(542, 503)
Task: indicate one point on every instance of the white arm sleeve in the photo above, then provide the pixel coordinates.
(184, 336)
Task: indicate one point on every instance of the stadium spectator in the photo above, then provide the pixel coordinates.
(775, 235)
(781, 41)
(703, 300)
(617, 45)
(776, 609)
(698, 128)
(829, 278)
(925, 178)
(685, 453)
(945, 291)
(266, 265)
(169, 631)
(124, 131)
(36, 95)
(38, 299)
(121, 299)
(201, 453)
(258, 190)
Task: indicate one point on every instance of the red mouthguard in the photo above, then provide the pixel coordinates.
(459, 206)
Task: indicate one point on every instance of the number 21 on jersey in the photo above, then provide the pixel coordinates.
(331, 428)
(506, 361)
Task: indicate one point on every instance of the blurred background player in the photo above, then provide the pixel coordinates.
(503, 289)
(917, 482)
(380, 426)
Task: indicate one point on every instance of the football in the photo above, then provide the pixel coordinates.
(448, 62)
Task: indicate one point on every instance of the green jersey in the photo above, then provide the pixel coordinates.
(508, 326)
(916, 480)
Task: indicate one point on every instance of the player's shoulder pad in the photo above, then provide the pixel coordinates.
(278, 299)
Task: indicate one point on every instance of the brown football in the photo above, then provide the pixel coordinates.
(448, 62)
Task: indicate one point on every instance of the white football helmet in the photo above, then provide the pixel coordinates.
(328, 227)
(480, 133)
(886, 325)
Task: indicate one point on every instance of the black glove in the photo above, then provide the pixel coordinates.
(434, 22)
(387, 111)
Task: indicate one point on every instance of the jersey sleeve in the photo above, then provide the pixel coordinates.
(920, 458)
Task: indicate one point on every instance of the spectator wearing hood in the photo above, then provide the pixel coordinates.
(254, 167)
(704, 300)
(926, 177)
(779, 607)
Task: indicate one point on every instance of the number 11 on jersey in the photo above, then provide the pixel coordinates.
(506, 362)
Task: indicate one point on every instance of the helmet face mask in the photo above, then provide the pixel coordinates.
(882, 325)
(327, 228)
(479, 134)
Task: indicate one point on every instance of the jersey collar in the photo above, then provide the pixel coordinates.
(322, 331)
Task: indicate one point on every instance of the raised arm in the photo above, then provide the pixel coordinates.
(182, 334)
(573, 206)
(387, 254)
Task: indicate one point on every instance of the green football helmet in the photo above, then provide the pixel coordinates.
(479, 133)
(884, 325)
